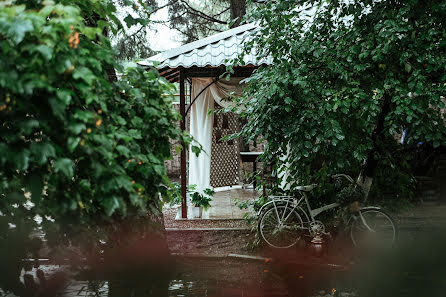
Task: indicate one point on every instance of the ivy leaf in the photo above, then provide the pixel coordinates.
(110, 205)
(29, 125)
(20, 160)
(17, 29)
(45, 50)
(85, 74)
(130, 21)
(76, 128)
(57, 107)
(72, 143)
(123, 150)
(42, 151)
(196, 150)
(64, 96)
(135, 134)
(136, 200)
(65, 166)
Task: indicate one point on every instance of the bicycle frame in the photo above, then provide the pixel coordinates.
(312, 212)
(290, 201)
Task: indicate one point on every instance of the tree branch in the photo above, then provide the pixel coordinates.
(202, 15)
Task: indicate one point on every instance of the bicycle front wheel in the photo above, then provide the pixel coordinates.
(281, 226)
(373, 229)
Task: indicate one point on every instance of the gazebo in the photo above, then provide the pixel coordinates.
(197, 67)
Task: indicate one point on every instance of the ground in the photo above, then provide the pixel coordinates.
(223, 237)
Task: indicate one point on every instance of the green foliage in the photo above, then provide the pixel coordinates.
(175, 194)
(395, 169)
(202, 200)
(78, 150)
(349, 194)
(255, 204)
(336, 66)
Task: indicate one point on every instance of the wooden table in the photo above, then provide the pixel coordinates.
(251, 157)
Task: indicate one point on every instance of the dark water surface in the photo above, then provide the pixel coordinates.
(223, 277)
(417, 268)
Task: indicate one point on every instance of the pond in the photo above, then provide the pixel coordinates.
(414, 269)
(212, 277)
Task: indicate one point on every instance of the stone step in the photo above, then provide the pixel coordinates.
(427, 191)
(423, 178)
(427, 187)
(430, 198)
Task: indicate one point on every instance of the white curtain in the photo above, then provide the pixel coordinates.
(201, 123)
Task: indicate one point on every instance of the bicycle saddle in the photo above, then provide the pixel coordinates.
(306, 188)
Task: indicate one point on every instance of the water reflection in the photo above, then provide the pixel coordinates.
(413, 269)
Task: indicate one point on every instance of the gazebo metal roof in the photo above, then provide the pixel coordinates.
(206, 57)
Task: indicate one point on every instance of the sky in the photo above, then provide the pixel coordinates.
(161, 37)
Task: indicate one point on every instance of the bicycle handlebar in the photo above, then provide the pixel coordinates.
(346, 176)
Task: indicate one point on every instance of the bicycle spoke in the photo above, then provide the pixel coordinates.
(271, 220)
(374, 229)
(277, 234)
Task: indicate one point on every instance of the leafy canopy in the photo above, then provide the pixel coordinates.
(337, 66)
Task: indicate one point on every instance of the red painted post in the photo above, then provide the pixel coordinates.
(183, 151)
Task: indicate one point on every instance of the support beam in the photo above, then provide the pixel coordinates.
(183, 151)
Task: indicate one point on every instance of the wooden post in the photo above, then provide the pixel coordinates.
(183, 151)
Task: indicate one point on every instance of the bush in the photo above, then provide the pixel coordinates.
(79, 151)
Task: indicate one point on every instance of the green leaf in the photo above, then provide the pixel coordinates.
(45, 50)
(17, 29)
(85, 184)
(72, 143)
(123, 150)
(120, 120)
(85, 74)
(84, 116)
(340, 136)
(130, 21)
(137, 122)
(20, 160)
(91, 32)
(29, 125)
(110, 204)
(42, 151)
(76, 128)
(57, 107)
(196, 150)
(64, 96)
(65, 166)
(136, 134)
(136, 200)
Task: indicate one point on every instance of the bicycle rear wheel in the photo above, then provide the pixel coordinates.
(281, 228)
(373, 229)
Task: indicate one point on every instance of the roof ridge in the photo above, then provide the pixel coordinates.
(197, 44)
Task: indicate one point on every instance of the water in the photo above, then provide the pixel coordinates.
(203, 278)
(411, 270)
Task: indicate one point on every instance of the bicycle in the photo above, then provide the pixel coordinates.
(283, 221)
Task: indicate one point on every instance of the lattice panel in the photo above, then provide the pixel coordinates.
(224, 158)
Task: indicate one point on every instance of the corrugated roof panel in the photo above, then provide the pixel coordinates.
(211, 51)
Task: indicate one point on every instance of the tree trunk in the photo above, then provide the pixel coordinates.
(238, 10)
(365, 178)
